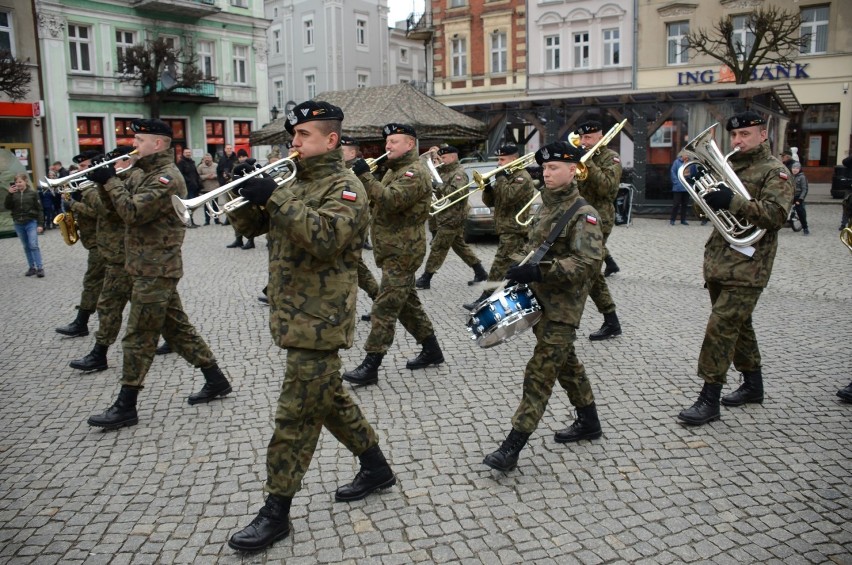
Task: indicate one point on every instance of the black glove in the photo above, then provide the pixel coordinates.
(527, 273)
(257, 190)
(489, 186)
(243, 168)
(101, 174)
(719, 199)
(360, 167)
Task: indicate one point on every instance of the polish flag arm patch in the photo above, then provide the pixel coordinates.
(616, 159)
(165, 179)
(409, 174)
(349, 195)
(591, 219)
(783, 175)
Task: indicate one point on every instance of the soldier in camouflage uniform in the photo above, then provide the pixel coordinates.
(561, 284)
(506, 194)
(86, 215)
(735, 276)
(600, 189)
(401, 202)
(450, 224)
(315, 225)
(117, 281)
(153, 239)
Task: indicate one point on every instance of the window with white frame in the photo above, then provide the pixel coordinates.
(206, 60)
(276, 41)
(814, 29)
(7, 34)
(403, 54)
(80, 46)
(279, 93)
(551, 53)
(361, 32)
(308, 32)
(241, 64)
(239, 3)
(310, 86)
(677, 53)
(172, 42)
(663, 136)
(581, 50)
(457, 3)
(363, 80)
(499, 52)
(124, 40)
(611, 47)
(458, 57)
(742, 36)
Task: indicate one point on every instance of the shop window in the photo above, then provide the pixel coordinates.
(90, 134)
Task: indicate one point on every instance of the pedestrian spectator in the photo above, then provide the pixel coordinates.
(787, 159)
(59, 170)
(46, 196)
(680, 196)
(209, 181)
(187, 168)
(28, 215)
(800, 191)
(240, 159)
(846, 205)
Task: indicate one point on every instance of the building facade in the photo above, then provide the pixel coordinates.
(90, 108)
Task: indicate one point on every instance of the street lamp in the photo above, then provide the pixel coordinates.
(274, 112)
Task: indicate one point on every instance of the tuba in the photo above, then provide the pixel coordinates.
(67, 227)
(716, 172)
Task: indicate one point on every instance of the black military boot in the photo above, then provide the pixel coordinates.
(94, 361)
(423, 282)
(611, 267)
(79, 327)
(479, 275)
(471, 306)
(429, 355)
(506, 457)
(236, 243)
(705, 409)
(585, 426)
(120, 414)
(751, 391)
(249, 243)
(215, 385)
(610, 328)
(375, 474)
(845, 393)
(164, 349)
(367, 373)
(271, 524)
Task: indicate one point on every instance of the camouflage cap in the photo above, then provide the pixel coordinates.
(559, 151)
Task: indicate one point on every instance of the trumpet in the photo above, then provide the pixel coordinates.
(582, 170)
(441, 204)
(846, 237)
(185, 207)
(374, 163)
(73, 176)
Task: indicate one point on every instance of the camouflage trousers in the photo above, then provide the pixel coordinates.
(553, 359)
(366, 280)
(312, 397)
(599, 293)
(93, 280)
(445, 239)
(729, 336)
(397, 300)
(156, 309)
(510, 244)
(118, 284)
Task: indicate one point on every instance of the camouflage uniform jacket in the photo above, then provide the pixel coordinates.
(402, 201)
(767, 181)
(316, 226)
(569, 267)
(111, 228)
(601, 186)
(508, 196)
(86, 214)
(154, 232)
(454, 177)
(25, 206)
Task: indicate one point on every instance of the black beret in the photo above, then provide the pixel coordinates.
(86, 155)
(154, 127)
(559, 151)
(507, 149)
(242, 153)
(590, 126)
(787, 152)
(348, 140)
(405, 129)
(311, 111)
(745, 119)
(119, 151)
(448, 149)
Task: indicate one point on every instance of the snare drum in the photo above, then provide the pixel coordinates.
(504, 315)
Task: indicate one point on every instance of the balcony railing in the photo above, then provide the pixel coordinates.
(419, 26)
(202, 93)
(192, 8)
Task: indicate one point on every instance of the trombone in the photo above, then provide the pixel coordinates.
(50, 183)
(185, 207)
(846, 237)
(481, 181)
(582, 170)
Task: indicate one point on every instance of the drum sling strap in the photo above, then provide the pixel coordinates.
(554, 233)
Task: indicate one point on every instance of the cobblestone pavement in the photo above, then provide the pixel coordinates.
(767, 483)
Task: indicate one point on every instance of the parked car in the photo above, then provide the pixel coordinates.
(841, 182)
(480, 218)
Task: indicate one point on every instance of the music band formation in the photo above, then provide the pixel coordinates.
(317, 207)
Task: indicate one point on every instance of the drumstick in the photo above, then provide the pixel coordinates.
(502, 285)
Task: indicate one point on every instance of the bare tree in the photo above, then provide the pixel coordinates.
(159, 69)
(14, 76)
(772, 36)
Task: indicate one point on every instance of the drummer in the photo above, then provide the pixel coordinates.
(561, 283)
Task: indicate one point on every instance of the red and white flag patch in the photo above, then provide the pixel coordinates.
(409, 174)
(165, 179)
(616, 159)
(591, 219)
(349, 195)
(783, 175)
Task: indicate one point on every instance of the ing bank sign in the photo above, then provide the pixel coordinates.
(724, 74)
